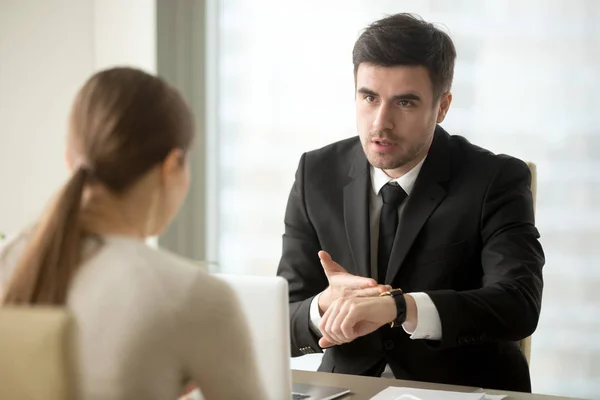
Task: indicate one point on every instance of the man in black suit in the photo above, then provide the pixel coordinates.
(447, 225)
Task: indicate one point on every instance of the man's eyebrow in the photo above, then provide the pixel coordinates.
(364, 90)
(402, 96)
(407, 96)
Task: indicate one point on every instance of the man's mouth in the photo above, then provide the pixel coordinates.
(382, 142)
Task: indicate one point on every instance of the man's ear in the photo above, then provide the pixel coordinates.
(444, 106)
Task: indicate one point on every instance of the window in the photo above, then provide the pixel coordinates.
(526, 84)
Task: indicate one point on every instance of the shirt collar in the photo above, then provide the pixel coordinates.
(407, 181)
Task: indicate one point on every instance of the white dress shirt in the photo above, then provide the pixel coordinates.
(429, 325)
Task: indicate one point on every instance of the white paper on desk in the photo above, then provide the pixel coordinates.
(404, 393)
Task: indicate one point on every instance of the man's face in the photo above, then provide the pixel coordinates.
(396, 115)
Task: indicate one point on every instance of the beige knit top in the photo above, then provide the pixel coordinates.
(149, 322)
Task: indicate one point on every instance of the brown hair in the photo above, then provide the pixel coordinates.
(405, 39)
(123, 123)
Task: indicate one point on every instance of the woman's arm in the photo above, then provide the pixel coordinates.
(218, 354)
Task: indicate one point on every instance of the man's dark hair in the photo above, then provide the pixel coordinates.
(405, 39)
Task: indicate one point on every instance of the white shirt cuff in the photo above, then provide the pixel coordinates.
(429, 325)
(315, 315)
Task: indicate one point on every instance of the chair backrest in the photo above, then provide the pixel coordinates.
(525, 344)
(38, 354)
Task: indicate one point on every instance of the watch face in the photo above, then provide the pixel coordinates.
(393, 292)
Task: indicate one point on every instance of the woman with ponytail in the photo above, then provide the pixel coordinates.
(148, 321)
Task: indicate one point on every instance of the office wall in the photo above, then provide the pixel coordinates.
(125, 33)
(47, 50)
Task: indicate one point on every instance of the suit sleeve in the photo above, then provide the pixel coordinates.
(507, 307)
(300, 266)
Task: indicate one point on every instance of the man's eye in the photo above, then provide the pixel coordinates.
(369, 99)
(405, 103)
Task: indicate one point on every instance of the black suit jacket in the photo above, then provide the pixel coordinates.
(466, 238)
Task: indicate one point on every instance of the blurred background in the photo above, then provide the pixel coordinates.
(270, 79)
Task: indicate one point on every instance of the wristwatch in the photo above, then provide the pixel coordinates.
(398, 296)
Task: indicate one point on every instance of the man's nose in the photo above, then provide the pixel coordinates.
(383, 119)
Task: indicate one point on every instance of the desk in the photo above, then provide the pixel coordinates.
(363, 388)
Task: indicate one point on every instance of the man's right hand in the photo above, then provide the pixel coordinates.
(344, 284)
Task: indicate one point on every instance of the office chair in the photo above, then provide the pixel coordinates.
(37, 353)
(525, 344)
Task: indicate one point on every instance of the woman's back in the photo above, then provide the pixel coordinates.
(149, 322)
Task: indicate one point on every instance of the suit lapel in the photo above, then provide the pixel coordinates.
(427, 194)
(356, 212)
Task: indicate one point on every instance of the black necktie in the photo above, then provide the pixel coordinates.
(393, 195)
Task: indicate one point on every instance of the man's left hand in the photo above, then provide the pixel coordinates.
(349, 318)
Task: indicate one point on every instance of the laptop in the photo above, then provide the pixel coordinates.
(264, 301)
